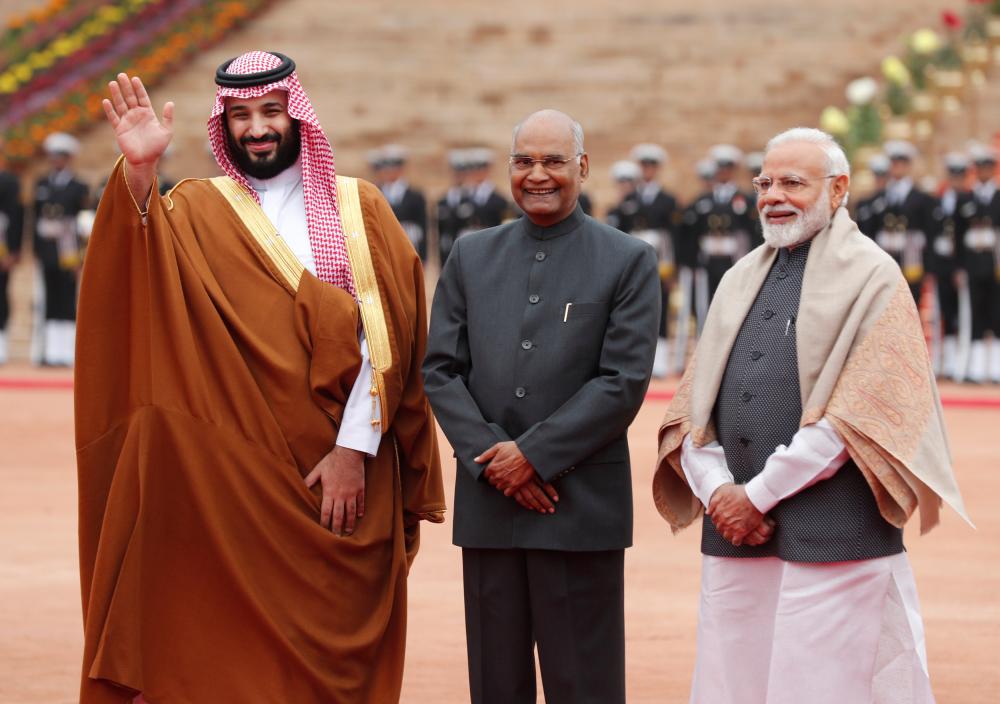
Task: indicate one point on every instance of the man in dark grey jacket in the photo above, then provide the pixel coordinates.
(541, 344)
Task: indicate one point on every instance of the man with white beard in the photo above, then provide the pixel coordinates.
(809, 429)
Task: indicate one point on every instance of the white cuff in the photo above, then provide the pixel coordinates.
(815, 453)
(357, 432)
(704, 468)
(758, 493)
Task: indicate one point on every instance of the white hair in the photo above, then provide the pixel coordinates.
(576, 128)
(836, 160)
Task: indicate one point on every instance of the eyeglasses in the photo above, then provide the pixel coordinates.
(788, 184)
(551, 163)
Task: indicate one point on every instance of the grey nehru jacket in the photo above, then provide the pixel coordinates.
(544, 336)
(758, 408)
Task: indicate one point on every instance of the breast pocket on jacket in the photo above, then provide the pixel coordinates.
(574, 312)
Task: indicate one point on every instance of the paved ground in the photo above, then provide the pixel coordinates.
(958, 569)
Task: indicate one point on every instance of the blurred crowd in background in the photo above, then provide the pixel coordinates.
(942, 228)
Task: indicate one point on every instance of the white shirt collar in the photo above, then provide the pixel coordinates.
(986, 189)
(648, 191)
(900, 189)
(483, 192)
(394, 190)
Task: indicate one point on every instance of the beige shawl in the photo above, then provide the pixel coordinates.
(863, 364)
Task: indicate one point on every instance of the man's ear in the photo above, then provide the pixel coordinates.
(838, 191)
(584, 166)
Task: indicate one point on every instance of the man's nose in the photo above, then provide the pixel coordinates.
(773, 196)
(258, 126)
(538, 172)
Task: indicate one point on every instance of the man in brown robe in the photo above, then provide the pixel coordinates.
(218, 365)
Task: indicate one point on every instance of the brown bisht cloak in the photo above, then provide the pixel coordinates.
(863, 364)
(207, 387)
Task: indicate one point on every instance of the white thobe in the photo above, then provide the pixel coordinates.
(776, 632)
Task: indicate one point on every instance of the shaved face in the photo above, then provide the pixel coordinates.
(547, 196)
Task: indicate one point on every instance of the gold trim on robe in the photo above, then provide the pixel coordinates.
(262, 229)
(366, 285)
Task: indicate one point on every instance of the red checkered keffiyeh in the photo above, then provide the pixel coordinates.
(326, 234)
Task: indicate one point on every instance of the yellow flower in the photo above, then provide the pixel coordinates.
(40, 59)
(90, 28)
(925, 41)
(111, 13)
(895, 71)
(22, 72)
(834, 121)
(8, 84)
(62, 46)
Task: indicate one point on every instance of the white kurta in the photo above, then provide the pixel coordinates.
(776, 632)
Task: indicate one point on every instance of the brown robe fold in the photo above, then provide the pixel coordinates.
(206, 389)
(863, 364)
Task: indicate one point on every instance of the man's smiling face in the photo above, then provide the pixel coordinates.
(789, 216)
(547, 195)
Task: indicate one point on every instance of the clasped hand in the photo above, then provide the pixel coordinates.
(510, 471)
(736, 518)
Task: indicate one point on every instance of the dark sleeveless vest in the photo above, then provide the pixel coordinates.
(758, 408)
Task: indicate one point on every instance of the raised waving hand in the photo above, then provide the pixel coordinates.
(141, 136)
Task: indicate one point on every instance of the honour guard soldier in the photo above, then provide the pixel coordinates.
(724, 223)
(868, 211)
(375, 164)
(11, 225)
(491, 208)
(689, 271)
(982, 263)
(705, 168)
(59, 198)
(455, 208)
(754, 163)
(656, 222)
(408, 204)
(626, 176)
(903, 227)
(951, 216)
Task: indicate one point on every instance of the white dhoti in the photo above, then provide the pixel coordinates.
(775, 632)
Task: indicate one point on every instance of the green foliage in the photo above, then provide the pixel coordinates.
(866, 126)
(897, 98)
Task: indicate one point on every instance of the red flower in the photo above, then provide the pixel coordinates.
(951, 19)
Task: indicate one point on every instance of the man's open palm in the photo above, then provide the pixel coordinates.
(142, 138)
